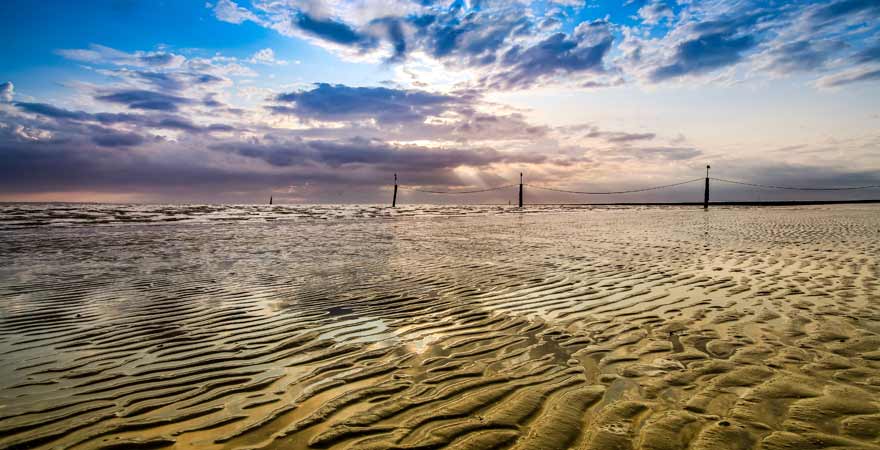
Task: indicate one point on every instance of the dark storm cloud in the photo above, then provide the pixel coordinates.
(108, 160)
(356, 152)
(333, 31)
(340, 102)
(391, 108)
(162, 121)
(704, 54)
(177, 123)
(76, 164)
(112, 118)
(146, 100)
(174, 81)
(111, 138)
(52, 111)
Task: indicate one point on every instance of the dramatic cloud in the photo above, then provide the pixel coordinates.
(333, 31)
(338, 102)
(708, 37)
(559, 54)
(149, 100)
(516, 49)
(337, 154)
(513, 45)
(703, 54)
(52, 111)
(110, 138)
(144, 121)
(447, 93)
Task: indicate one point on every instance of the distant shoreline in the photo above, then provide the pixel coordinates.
(767, 203)
(761, 203)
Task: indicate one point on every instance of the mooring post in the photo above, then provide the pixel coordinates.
(394, 199)
(520, 189)
(706, 195)
(270, 199)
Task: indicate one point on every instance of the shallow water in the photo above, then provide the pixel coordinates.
(468, 327)
(15, 216)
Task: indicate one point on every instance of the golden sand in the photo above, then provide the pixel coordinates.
(652, 328)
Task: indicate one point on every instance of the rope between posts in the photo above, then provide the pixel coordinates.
(614, 192)
(791, 188)
(457, 192)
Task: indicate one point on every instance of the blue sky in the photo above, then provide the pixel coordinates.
(225, 101)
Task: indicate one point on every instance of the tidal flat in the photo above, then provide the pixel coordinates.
(424, 327)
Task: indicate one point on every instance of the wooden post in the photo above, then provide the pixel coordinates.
(520, 189)
(706, 195)
(270, 199)
(394, 199)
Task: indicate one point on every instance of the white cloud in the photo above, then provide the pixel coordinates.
(229, 11)
(7, 90)
(266, 56)
(856, 75)
(99, 54)
(655, 12)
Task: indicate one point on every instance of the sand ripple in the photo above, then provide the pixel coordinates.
(609, 329)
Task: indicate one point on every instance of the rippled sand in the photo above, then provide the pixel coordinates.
(653, 328)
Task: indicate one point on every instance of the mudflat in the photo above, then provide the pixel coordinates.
(434, 327)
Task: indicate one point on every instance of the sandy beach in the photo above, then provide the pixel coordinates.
(440, 327)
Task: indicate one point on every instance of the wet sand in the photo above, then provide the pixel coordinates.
(652, 328)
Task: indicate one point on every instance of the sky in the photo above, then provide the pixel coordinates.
(230, 101)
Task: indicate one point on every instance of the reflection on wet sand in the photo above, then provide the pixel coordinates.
(654, 328)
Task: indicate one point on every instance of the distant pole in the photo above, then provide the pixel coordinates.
(706, 195)
(270, 199)
(520, 189)
(394, 199)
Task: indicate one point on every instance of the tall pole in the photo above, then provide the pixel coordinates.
(394, 199)
(520, 189)
(706, 195)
